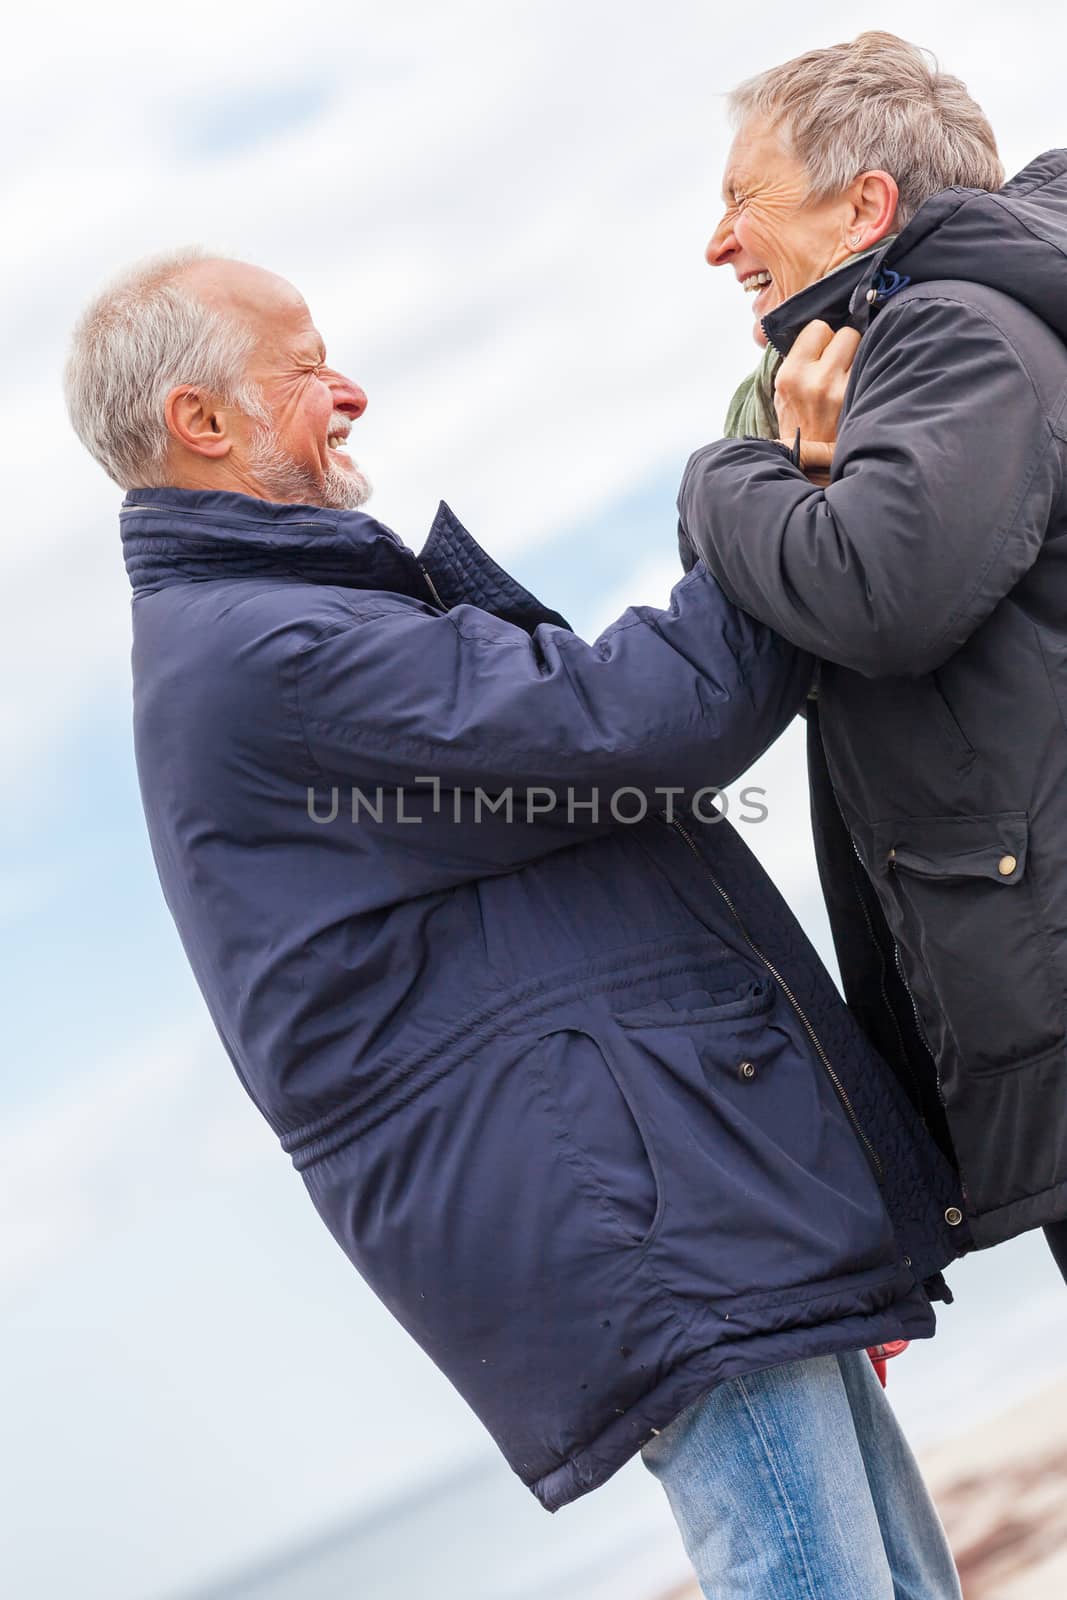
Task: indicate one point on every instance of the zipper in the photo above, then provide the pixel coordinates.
(904, 1054)
(839, 1088)
(432, 588)
(210, 516)
(919, 1029)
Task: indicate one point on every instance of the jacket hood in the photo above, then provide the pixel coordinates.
(1013, 240)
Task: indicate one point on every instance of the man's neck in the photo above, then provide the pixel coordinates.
(221, 477)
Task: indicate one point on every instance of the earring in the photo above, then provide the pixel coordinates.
(853, 239)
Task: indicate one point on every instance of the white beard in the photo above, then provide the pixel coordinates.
(285, 480)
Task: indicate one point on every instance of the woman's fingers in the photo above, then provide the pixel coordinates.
(840, 351)
(811, 341)
(811, 382)
(817, 341)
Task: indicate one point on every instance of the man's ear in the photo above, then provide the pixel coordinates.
(195, 422)
(873, 201)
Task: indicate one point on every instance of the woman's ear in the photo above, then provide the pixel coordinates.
(873, 202)
(195, 424)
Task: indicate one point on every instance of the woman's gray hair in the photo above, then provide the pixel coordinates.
(141, 337)
(877, 103)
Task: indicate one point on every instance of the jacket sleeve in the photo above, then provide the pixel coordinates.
(944, 477)
(687, 697)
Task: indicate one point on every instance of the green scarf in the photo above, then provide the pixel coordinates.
(751, 411)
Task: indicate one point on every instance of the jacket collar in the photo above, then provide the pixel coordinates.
(838, 299)
(186, 536)
(1013, 239)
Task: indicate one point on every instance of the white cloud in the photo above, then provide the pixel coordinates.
(73, 1167)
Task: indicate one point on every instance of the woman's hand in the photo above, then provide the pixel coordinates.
(809, 391)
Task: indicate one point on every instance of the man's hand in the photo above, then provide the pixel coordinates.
(810, 388)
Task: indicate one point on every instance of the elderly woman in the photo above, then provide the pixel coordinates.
(927, 573)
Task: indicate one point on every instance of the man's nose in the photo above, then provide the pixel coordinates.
(348, 397)
(722, 246)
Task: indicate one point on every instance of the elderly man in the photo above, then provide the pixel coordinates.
(558, 1068)
(928, 576)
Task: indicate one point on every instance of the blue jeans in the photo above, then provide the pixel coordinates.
(797, 1484)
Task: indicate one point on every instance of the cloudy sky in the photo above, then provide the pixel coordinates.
(497, 214)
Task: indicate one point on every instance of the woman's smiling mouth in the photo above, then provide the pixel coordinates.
(761, 286)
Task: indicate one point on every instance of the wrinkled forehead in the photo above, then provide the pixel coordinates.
(271, 307)
(759, 153)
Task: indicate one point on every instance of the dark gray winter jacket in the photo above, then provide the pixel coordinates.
(931, 577)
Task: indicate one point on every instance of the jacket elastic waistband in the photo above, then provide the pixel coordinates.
(399, 1081)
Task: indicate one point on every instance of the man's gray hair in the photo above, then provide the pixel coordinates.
(141, 337)
(877, 103)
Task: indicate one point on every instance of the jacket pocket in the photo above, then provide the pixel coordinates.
(959, 896)
(945, 720)
(601, 1132)
(752, 997)
(765, 1187)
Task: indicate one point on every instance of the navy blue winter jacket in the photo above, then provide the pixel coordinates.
(574, 1094)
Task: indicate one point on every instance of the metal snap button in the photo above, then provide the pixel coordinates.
(747, 1069)
(1006, 866)
(892, 856)
(872, 295)
(953, 1216)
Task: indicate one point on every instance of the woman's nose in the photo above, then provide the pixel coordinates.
(722, 246)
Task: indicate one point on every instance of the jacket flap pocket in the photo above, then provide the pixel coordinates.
(751, 998)
(992, 847)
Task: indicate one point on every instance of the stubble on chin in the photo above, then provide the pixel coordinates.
(286, 481)
(343, 490)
